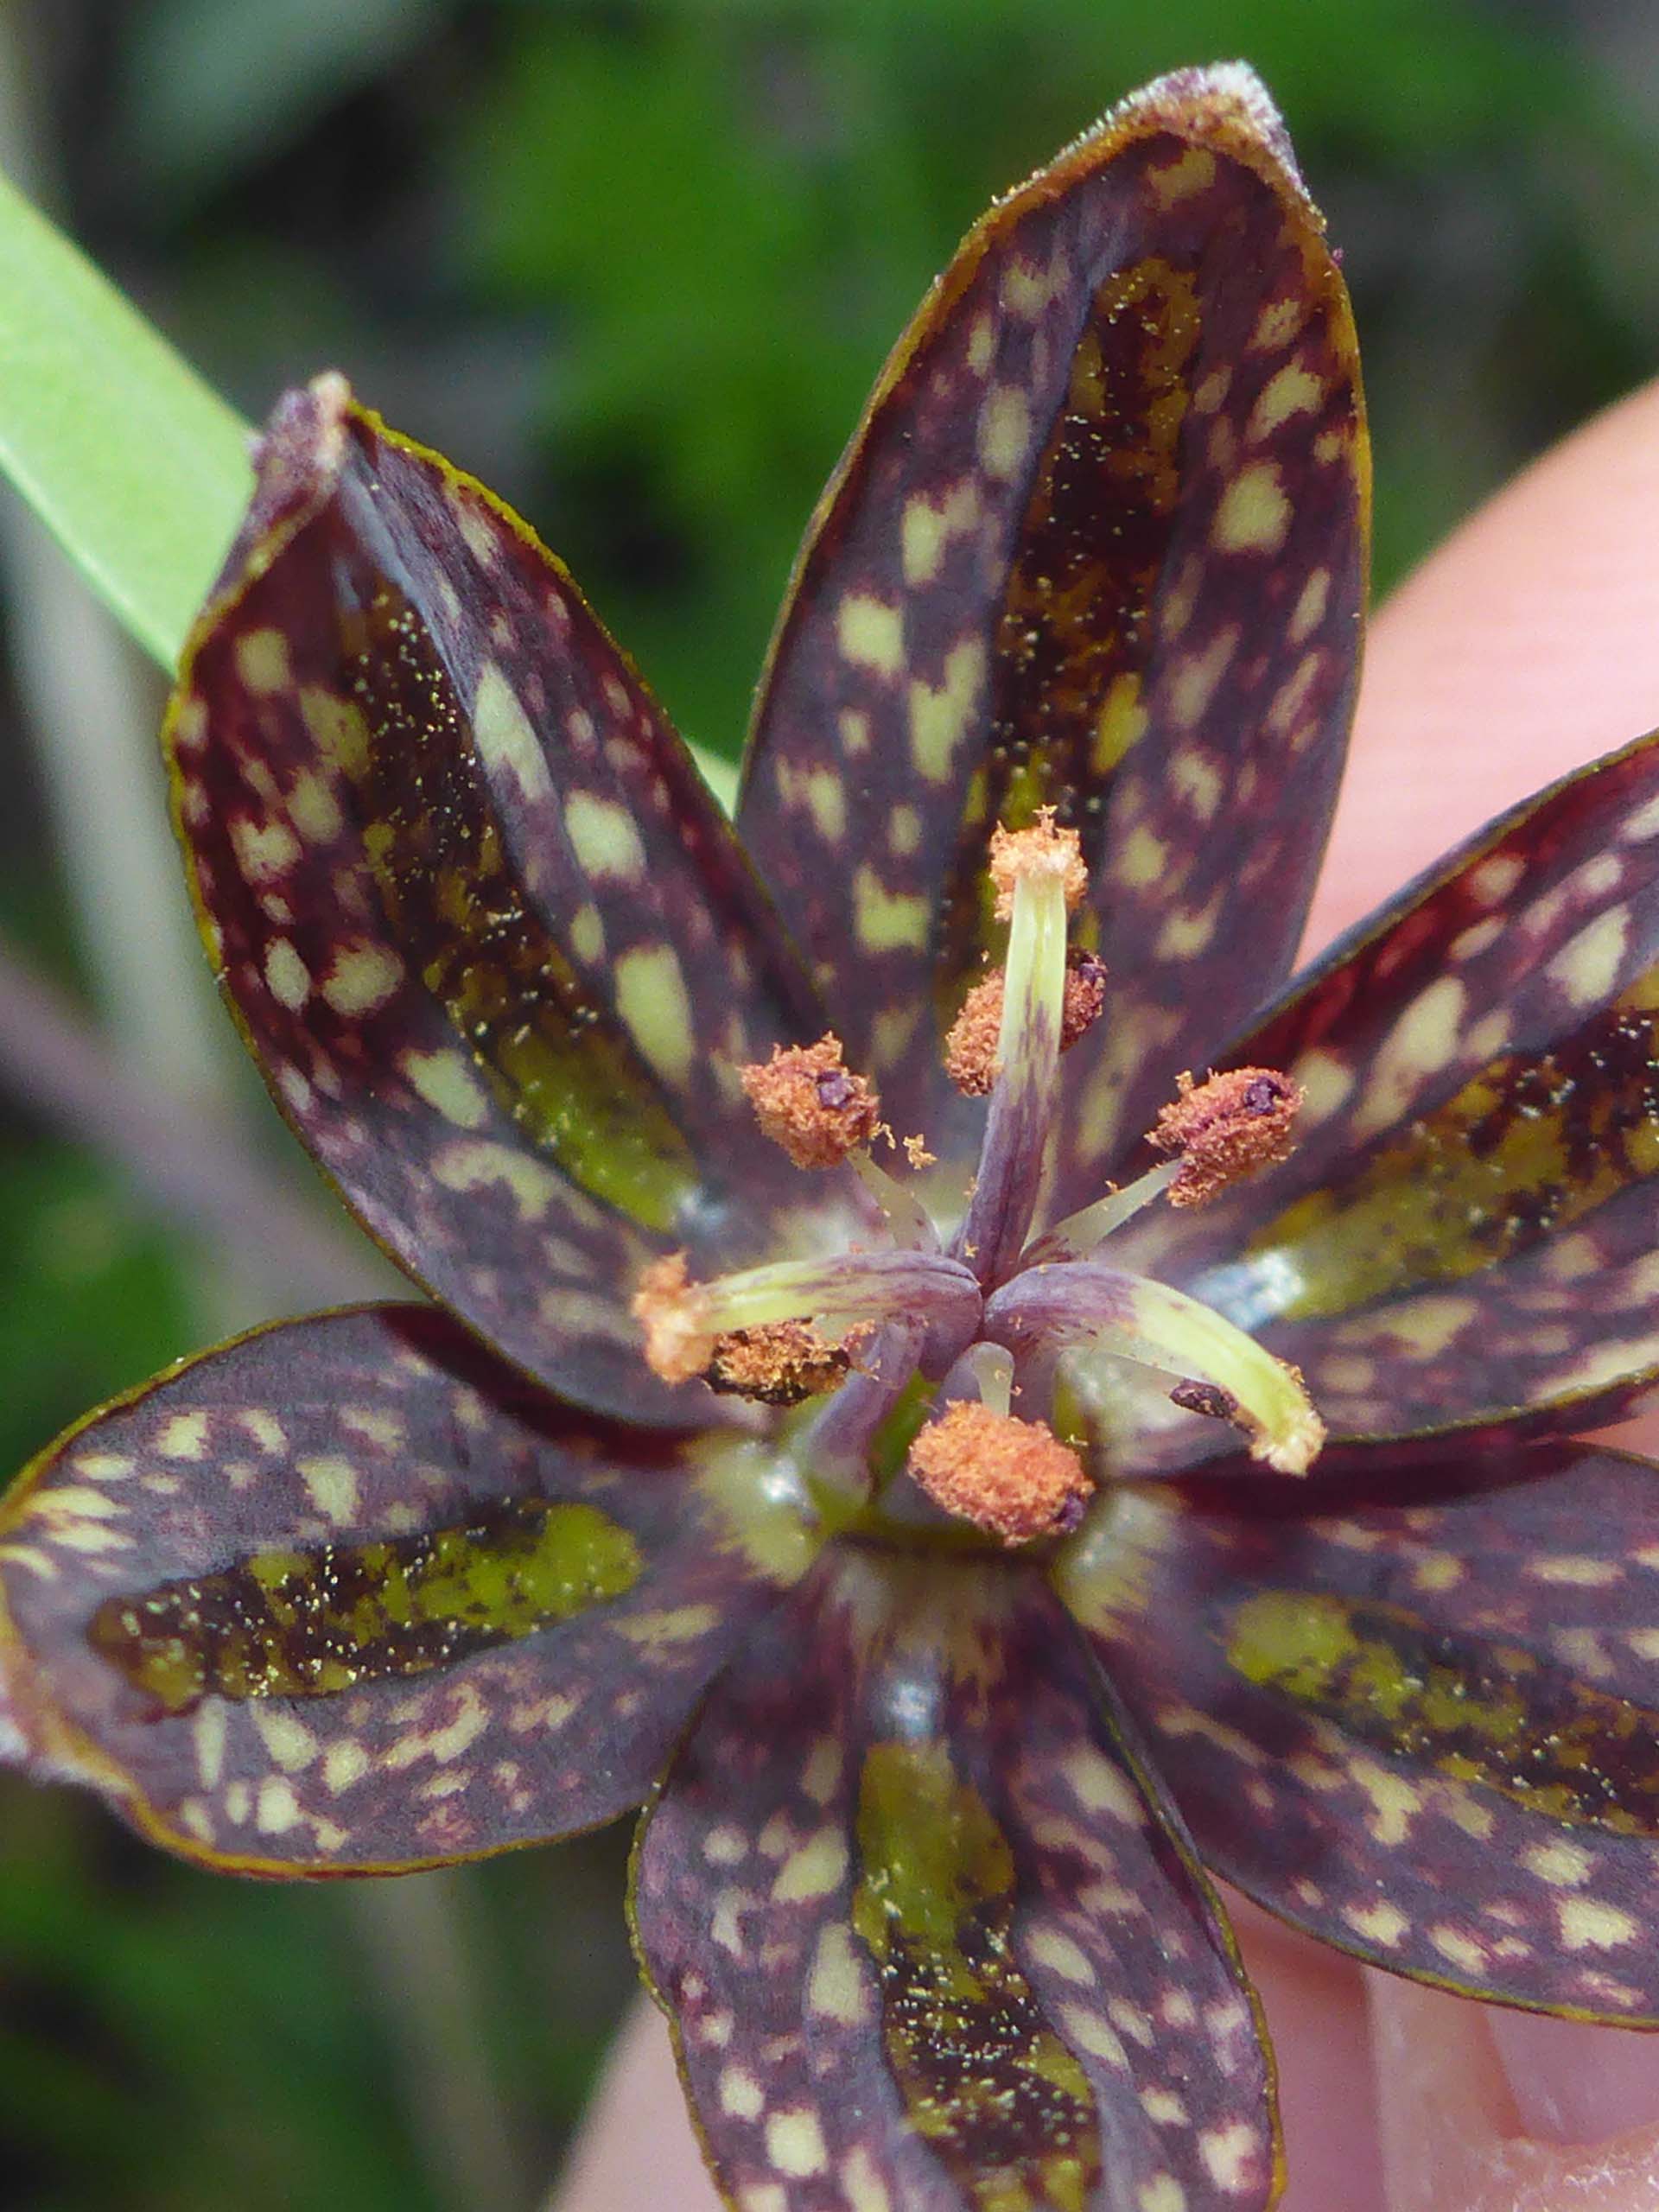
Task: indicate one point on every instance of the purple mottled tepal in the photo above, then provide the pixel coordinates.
(879, 1399)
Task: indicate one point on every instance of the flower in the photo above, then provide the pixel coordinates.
(1044, 1542)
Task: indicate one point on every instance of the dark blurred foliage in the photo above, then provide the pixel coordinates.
(636, 265)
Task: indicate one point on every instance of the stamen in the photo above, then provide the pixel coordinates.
(1013, 1478)
(1082, 1306)
(1080, 1233)
(806, 1101)
(906, 1217)
(1228, 1127)
(781, 1362)
(1038, 873)
(970, 1046)
(685, 1321)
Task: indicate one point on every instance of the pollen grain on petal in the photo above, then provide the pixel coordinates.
(812, 1105)
(1012, 1477)
(1225, 1129)
(679, 1343)
(1044, 848)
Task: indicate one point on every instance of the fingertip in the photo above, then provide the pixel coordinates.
(1525, 645)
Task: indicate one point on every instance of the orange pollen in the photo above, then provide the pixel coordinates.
(1013, 1478)
(807, 1102)
(970, 1059)
(1043, 850)
(678, 1343)
(1224, 1128)
(780, 1363)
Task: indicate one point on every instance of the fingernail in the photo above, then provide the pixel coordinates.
(1573, 2084)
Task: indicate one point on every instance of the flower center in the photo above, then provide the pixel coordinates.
(914, 1349)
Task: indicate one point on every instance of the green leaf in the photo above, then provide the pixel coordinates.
(137, 467)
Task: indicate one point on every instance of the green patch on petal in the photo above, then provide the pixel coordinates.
(1473, 1710)
(570, 1076)
(1532, 1143)
(350, 1595)
(982, 2075)
(292, 1624)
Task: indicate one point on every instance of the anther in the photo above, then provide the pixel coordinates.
(1226, 1128)
(679, 1343)
(970, 1057)
(806, 1101)
(1013, 1478)
(1044, 849)
(780, 1363)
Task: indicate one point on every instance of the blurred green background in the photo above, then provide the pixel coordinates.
(634, 263)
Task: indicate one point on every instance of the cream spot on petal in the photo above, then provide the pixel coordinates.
(1588, 965)
(1162, 2194)
(1004, 431)
(816, 1869)
(1290, 391)
(184, 1437)
(1228, 2155)
(1253, 514)
(826, 800)
(1192, 171)
(604, 838)
(795, 2144)
(1564, 1866)
(345, 1762)
(587, 935)
(287, 1738)
(1326, 1081)
(1422, 1044)
(331, 1483)
(866, 2191)
(1052, 1947)
(887, 921)
(871, 633)
(652, 1004)
(1192, 686)
(262, 662)
(313, 810)
(1575, 1571)
(286, 975)
(506, 743)
(265, 851)
(278, 1809)
(210, 1732)
(462, 1167)
(362, 979)
(1492, 880)
(447, 1085)
(740, 2094)
(1381, 1924)
(1309, 610)
(1086, 2030)
(836, 1986)
(904, 832)
(1588, 1925)
(1395, 1803)
(940, 714)
(981, 345)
